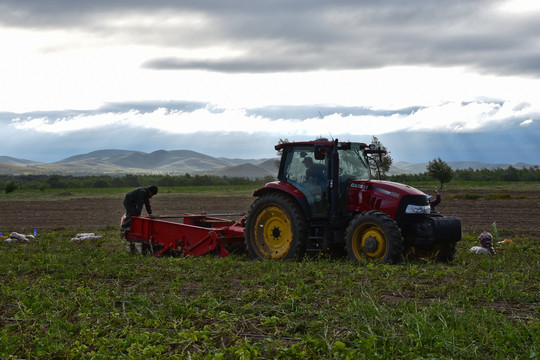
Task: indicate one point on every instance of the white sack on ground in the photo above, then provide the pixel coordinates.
(85, 237)
(15, 237)
(480, 250)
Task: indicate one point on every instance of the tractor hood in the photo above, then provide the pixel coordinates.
(364, 195)
(395, 187)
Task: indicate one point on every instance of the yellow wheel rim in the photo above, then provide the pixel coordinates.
(273, 233)
(369, 242)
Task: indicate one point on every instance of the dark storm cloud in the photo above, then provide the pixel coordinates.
(280, 36)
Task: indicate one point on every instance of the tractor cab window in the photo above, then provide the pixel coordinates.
(302, 167)
(309, 175)
(353, 165)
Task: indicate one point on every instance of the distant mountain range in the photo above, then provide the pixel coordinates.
(119, 162)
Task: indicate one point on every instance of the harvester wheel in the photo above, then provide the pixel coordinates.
(374, 236)
(275, 228)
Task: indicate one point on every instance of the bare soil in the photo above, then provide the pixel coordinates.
(515, 217)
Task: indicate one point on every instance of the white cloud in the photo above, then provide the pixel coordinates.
(446, 117)
(526, 122)
(519, 6)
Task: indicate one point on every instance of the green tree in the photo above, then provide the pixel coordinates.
(280, 152)
(11, 186)
(440, 170)
(281, 141)
(131, 180)
(42, 186)
(100, 183)
(380, 163)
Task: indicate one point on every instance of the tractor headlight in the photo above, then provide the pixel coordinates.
(417, 209)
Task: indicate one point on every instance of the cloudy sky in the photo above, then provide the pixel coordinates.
(456, 79)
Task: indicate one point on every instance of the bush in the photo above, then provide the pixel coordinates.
(11, 186)
(100, 183)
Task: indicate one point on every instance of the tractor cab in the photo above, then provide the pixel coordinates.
(320, 171)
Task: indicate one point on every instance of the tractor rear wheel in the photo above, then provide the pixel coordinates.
(374, 236)
(275, 228)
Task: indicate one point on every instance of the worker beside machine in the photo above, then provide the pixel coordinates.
(134, 201)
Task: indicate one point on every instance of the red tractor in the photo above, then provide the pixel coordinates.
(325, 198)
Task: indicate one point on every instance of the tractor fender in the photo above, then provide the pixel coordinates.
(290, 190)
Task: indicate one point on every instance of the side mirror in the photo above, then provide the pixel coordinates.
(320, 152)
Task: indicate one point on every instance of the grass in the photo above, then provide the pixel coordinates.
(99, 193)
(93, 300)
(467, 189)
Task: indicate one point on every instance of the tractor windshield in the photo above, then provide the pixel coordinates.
(353, 165)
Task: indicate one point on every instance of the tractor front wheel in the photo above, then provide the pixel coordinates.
(374, 236)
(275, 228)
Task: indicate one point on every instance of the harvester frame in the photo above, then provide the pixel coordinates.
(197, 235)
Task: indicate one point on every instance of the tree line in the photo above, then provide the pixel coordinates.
(43, 182)
(507, 174)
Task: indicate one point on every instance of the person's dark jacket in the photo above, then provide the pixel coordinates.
(435, 202)
(135, 200)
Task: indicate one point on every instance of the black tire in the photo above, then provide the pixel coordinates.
(374, 236)
(275, 228)
(444, 253)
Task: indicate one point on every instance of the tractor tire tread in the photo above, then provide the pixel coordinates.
(394, 239)
(298, 220)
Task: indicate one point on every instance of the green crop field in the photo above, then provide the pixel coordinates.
(63, 299)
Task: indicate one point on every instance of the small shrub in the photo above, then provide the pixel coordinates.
(11, 186)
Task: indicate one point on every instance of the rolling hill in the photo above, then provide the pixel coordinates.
(119, 162)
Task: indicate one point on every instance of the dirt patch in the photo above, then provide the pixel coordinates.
(518, 215)
(513, 217)
(90, 214)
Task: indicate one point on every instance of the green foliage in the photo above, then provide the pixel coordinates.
(281, 141)
(478, 175)
(61, 299)
(43, 182)
(11, 186)
(440, 171)
(381, 163)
